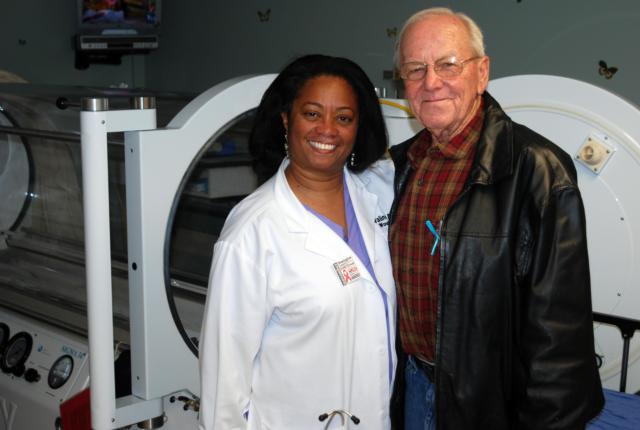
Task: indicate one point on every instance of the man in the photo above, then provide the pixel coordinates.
(489, 250)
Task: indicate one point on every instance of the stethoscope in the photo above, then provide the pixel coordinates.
(342, 414)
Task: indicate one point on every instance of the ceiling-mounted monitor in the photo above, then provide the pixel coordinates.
(123, 26)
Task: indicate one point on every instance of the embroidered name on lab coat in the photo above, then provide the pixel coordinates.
(382, 220)
(347, 270)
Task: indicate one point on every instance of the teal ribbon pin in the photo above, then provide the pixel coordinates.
(433, 231)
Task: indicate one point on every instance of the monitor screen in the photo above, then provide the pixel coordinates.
(125, 15)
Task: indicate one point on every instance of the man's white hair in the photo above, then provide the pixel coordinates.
(475, 34)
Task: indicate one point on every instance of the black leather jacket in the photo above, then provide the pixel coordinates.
(514, 343)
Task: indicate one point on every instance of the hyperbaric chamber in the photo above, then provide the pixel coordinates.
(199, 167)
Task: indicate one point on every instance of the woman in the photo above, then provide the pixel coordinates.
(300, 318)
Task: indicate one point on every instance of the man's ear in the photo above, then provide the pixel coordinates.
(484, 66)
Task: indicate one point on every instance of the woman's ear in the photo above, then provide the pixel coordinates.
(285, 121)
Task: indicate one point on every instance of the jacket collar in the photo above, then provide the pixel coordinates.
(494, 152)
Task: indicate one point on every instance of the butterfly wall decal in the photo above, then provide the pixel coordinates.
(605, 70)
(392, 32)
(264, 16)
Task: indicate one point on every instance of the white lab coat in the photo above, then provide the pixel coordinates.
(283, 341)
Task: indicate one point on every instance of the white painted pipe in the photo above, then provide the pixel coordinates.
(95, 197)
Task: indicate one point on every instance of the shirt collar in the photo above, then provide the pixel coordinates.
(460, 145)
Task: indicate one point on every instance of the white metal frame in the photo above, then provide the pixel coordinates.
(94, 126)
(155, 164)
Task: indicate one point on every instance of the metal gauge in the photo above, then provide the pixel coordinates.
(16, 352)
(60, 371)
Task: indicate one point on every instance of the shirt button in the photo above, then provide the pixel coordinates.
(420, 182)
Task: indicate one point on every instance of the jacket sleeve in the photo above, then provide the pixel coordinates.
(562, 389)
(235, 317)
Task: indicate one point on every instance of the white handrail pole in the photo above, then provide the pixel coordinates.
(95, 197)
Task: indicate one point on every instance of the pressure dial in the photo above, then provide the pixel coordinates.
(60, 371)
(15, 353)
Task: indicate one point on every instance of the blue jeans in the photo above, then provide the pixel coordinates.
(419, 402)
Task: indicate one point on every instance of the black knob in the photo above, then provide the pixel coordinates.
(31, 375)
(62, 102)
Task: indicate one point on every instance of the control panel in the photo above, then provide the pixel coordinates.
(40, 367)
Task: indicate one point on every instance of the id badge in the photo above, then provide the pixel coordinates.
(347, 270)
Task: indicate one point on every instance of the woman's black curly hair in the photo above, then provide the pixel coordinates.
(266, 142)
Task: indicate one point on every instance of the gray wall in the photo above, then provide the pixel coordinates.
(204, 42)
(36, 43)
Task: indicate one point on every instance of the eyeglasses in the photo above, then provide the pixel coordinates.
(445, 68)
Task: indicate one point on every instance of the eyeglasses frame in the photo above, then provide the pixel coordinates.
(427, 66)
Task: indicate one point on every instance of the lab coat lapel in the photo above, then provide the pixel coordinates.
(365, 205)
(320, 239)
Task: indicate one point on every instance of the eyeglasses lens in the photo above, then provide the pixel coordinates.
(445, 68)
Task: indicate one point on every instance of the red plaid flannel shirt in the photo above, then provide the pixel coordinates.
(440, 172)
